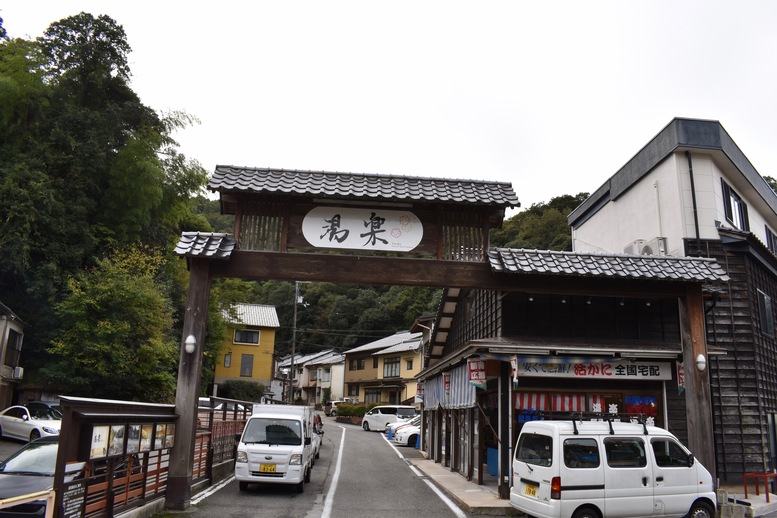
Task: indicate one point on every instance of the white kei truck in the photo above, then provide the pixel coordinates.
(277, 446)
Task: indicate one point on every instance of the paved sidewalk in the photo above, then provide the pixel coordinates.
(472, 498)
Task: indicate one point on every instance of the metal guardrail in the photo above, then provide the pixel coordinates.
(48, 496)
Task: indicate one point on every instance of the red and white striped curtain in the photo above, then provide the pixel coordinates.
(569, 403)
(531, 401)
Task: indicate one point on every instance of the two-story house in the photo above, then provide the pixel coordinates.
(248, 352)
(302, 384)
(691, 191)
(384, 371)
(324, 372)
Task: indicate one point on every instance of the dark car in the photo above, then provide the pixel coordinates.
(29, 470)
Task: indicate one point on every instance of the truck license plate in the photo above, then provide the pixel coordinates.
(530, 490)
(267, 468)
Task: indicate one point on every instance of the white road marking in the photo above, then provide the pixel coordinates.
(450, 503)
(199, 497)
(330, 495)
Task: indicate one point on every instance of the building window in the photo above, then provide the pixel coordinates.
(375, 362)
(771, 241)
(735, 208)
(767, 314)
(353, 389)
(13, 348)
(228, 360)
(246, 336)
(247, 365)
(356, 364)
(409, 365)
(371, 396)
(325, 375)
(313, 374)
(391, 368)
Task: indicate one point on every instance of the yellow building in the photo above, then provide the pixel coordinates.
(249, 348)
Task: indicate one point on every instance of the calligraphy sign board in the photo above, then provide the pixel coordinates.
(362, 229)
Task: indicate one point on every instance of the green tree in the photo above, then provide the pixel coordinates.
(542, 226)
(242, 390)
(86, 169)
(115, 341)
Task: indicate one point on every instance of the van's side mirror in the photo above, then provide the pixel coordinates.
(690, 460)
(307, 441)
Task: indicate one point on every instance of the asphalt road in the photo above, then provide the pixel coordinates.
(371, 478)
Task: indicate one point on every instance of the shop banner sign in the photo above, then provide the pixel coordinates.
(477, 372)
(595, 369)
(362, 229)
(446, 381)
(680, 377)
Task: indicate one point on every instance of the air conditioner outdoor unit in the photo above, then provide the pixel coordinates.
(655, 246)
(635, 247)
(18, 373)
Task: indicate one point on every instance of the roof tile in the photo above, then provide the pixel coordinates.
(653, 267)
(205, 244)
(355, 185)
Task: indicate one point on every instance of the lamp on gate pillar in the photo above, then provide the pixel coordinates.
(701, 363)
(190, 344)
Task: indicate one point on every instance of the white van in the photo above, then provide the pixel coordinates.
(381, 416)
(276, 446)
(612, 469)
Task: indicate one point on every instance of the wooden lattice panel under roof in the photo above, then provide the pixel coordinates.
(280, 210)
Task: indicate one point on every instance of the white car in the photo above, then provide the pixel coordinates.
(381, 416)
(392, 429)
(407, 435)
(28, 424)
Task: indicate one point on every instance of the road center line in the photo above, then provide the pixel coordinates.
(330, 495)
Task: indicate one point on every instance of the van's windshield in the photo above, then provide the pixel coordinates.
(263, 430)
(535, 449)
(407, 413)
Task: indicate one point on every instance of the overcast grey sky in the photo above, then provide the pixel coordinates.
(552, 96)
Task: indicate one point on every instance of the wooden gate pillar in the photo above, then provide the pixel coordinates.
(698, 397)
(179, 482)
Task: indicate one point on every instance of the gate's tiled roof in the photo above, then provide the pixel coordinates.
(205, 244)
(652, 267)
(356, 185)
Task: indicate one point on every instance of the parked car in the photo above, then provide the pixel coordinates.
(28, 424)
(318, 435)
(54, 405)
(408, 435)
(379, 417)
(614, 469)
(29, 470)
(393, 428)
(331, 407)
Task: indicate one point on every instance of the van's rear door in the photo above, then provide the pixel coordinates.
(628, 478)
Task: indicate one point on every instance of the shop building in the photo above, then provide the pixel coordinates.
(570, 332)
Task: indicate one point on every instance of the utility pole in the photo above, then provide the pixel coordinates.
(293, 343)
